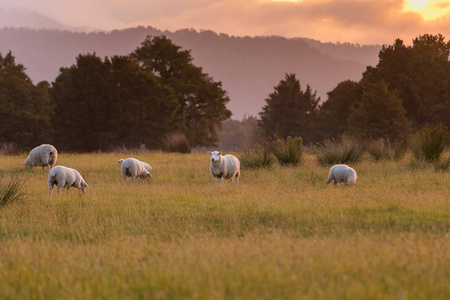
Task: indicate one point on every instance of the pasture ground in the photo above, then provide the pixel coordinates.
(278, 234)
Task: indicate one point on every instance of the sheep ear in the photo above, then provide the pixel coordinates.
(220, 153)
(209, 152)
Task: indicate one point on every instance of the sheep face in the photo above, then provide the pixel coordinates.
(28, 164)
(215, 157)
(120, 162)
(146, 175)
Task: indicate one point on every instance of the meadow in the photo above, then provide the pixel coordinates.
(279, 233)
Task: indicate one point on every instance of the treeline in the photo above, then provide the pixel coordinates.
(408, 88)
(156, 90)
(119, 101)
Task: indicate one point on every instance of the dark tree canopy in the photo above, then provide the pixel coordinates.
(201, 100)
(379, 114)
(334, 112)
(289, 111)
(25, 109)
(100, 104)
(421, 75)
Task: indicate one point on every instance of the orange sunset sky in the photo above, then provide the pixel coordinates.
(356, 21)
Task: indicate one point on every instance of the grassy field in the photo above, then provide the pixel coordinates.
(278, 234)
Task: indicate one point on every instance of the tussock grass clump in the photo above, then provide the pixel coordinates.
(256, 157)
(8, 149)
(287, 152)
(346, 150)
(386, 150)
(428, 143)
(177, 142)
(443, 164)
(11, 191)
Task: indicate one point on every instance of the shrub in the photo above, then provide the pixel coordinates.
(428, 143)
(256, 157)
(177, 142)
(287, 152)
(11, 191)
(380, 149)
(346, 150)
(442, 164)
(8, 148)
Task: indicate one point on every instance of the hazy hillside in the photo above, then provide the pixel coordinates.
(248, 67)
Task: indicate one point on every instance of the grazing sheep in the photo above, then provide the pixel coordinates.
(65, 178)
(146, 165)
(44, 155)
(133, 168)
(342, 173)
(227, 166)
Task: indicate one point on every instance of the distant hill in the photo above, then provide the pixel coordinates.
(248, 67)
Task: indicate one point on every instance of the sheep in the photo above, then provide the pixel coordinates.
(146, 165)
(65, 177)
(44, 155)
(227, 166)
(342, 173)
(133, 168)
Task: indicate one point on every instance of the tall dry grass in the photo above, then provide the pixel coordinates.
(279, 233)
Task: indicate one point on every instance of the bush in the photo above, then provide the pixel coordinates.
(11, 191)
(346, 150)
(428, 143)
(287, 152)
(256, 157)
(177, 142)
(442, 164)
(380, 149)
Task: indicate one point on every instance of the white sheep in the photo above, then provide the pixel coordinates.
(146, 165)
(226, 166)
(133, 168)
(65, 177)
(342, 173)
(44, 155)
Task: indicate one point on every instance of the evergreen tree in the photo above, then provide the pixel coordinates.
(100, 104)
(379, 114)
(334, 112)
(289, 111)
(25, 109)
(421, 75)
(201, 100)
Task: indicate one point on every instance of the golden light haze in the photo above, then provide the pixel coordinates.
(356, 21)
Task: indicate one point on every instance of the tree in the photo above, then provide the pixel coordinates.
(421, 75)
(379, 114)
(25, 109)
(99, 104)
(334, 112)
(201, 100)
(239, 133)
(289, 111)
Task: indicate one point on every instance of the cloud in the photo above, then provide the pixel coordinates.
(359, 21)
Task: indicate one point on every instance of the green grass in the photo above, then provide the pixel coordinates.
(278, 234)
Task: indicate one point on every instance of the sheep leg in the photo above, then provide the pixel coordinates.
(221, 178)
(50, 191)
(217, 179)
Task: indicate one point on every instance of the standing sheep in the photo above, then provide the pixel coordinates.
(146, 165)
(133, 168)
(342, 173)
(227, 166)
(65, 178)
(44, 155)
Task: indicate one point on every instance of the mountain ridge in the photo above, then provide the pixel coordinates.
(248, 67)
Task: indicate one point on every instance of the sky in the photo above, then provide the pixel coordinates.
(355, 21)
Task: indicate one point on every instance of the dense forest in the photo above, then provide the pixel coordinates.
(248, 67)
(158, 89)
